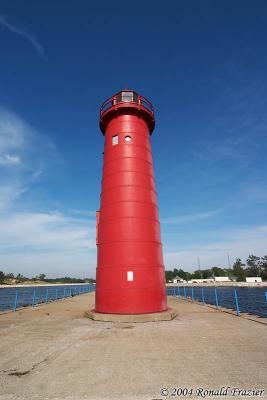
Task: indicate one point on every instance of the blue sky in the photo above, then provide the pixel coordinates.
(203, 66)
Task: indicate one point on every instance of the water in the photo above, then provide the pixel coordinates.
(251, 300)
(12, 297)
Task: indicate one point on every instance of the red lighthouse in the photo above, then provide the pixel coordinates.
(130, 273)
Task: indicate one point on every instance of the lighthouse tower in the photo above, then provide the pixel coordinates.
(130, 275)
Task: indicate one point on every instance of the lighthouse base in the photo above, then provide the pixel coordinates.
(167, 315)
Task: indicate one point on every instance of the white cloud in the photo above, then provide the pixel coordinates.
(9, 159)
(9, 193)
(52, 243)
(12, 132)
(13, 159)
(24, 33)
(36, 242)
(183, 219)
(236, 243)
(25, 155)
(46, 231)
(37, 173)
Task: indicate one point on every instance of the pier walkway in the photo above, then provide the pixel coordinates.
(53, 352)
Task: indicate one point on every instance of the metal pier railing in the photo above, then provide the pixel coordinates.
(14, 298)
(239, 299)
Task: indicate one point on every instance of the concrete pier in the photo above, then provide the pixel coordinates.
(54, 352)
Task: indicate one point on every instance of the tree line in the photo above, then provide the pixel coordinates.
(19, 278)
(255, 266)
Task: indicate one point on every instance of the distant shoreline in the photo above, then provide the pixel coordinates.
(168, 285)
(42, 284)
(219, 284)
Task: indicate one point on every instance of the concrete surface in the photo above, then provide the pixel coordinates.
(167, 315)
(53, 352)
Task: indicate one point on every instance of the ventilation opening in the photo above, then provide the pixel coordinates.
(127, 138)
(130, 276)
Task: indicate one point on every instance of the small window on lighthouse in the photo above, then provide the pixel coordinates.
(126, 96)
(127, 138)
(115, 140)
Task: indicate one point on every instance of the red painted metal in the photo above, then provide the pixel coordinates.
(130, 273)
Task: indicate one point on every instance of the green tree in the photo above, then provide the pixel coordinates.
(41, 277)
(196, 274)
(263, 263)
(10, 276)
(182, 274)
(201, 274)
(238, 270)
(175, 272)
(206, 273)
(89, 280)
(254, 266)
(20, 278)
(217, 271)
(2, 277)
(169, 275)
